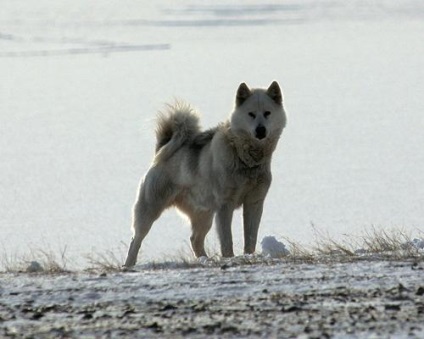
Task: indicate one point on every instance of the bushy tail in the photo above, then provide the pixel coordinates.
(174, 127)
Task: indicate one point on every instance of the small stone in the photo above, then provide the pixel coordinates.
(225, 266)
(169, 307)
(420, 291)
(392, 307)
(34, 267)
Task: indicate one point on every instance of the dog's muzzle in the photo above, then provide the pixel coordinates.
(260, 132)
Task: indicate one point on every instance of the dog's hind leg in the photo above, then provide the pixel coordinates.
(201, 223)
(155, 194)
(142, 224)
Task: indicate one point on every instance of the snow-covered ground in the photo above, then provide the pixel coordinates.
(81, 82)
(287, 300)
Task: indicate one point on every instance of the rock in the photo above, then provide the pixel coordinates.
(392, 307)
(34, 267)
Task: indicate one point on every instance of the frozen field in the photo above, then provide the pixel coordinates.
(81, 82)
(285, 300)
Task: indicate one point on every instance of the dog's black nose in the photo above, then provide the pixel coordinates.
(260, 132)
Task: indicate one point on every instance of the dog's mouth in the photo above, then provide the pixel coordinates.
(260, 132)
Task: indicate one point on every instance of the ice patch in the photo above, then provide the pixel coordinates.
(273, 248)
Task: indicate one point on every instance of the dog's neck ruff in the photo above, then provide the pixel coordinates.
(251, 152)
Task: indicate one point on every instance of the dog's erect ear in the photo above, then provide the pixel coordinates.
(243, 93)
(274, 92)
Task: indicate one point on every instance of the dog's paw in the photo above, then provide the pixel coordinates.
(127, 269)
(203, 260)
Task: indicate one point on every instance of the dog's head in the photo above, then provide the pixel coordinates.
(259, 113)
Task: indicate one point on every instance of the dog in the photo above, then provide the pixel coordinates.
(213, 172)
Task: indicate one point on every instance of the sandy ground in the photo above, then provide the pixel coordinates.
(357, 299)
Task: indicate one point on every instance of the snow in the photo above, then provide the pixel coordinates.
(81, 83)
(273, 248)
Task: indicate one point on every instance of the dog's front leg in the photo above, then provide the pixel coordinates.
(224, 217)
(252, 213)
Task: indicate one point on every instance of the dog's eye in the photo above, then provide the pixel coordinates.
(252, 115)
(267, 114)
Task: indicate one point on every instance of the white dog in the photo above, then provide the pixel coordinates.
(204, 173)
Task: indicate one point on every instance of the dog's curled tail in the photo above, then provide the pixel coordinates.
(178, 124)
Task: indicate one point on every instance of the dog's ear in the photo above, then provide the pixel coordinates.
(243, 93)
(274, 92)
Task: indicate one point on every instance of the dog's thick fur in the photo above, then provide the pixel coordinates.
(204, 173)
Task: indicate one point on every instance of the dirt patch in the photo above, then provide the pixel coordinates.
(284, 300)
